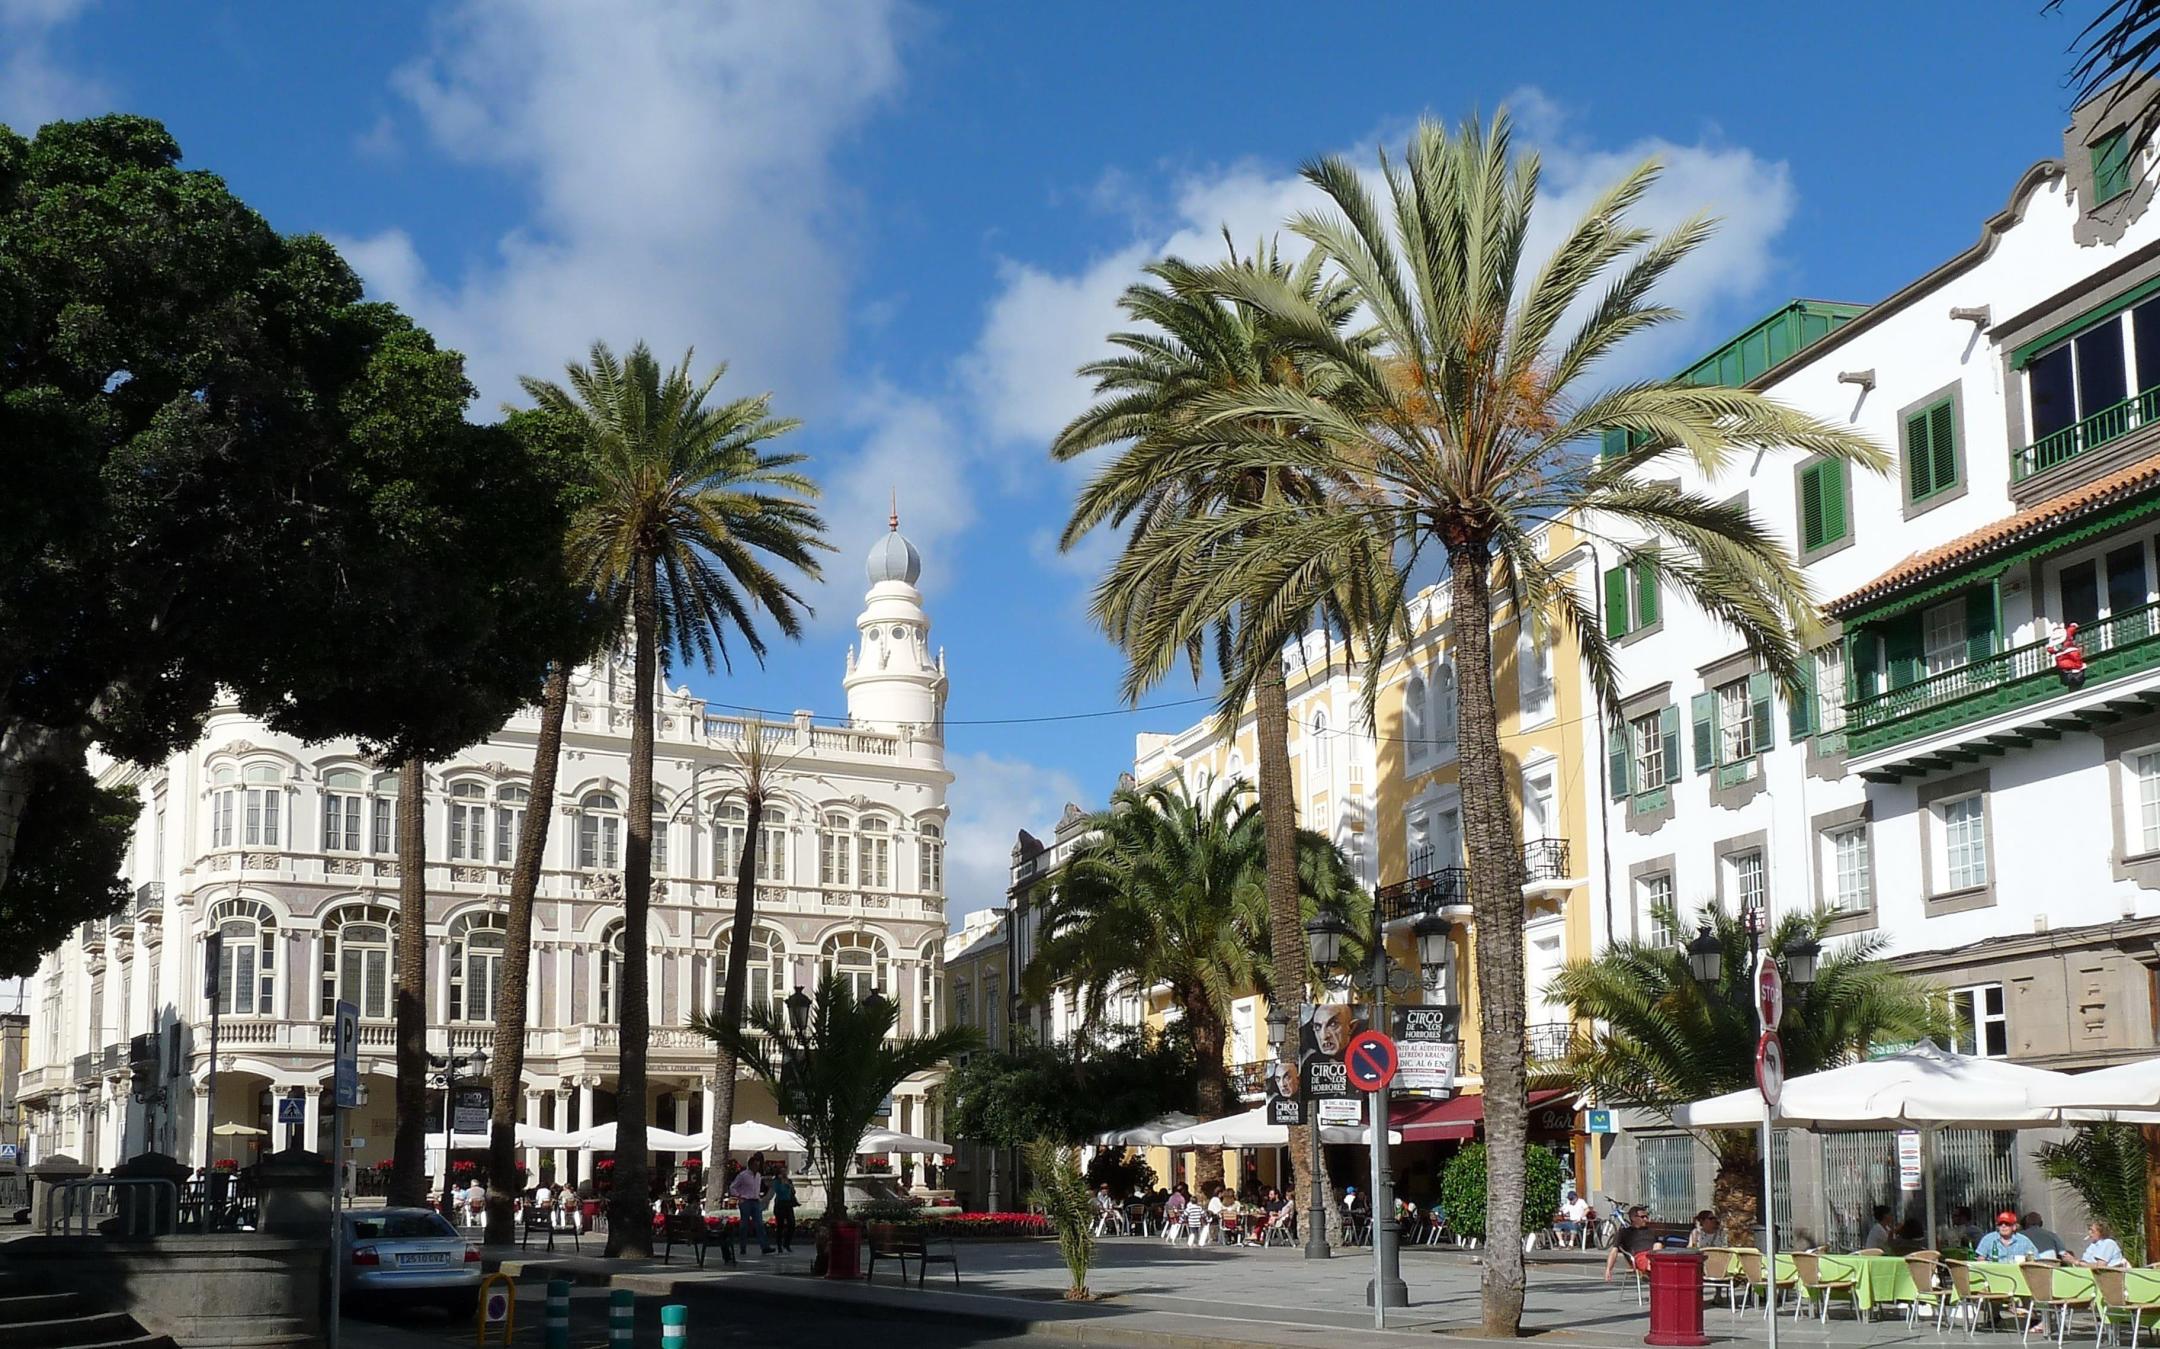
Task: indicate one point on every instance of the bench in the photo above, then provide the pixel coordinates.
(687, 1225)
(903, 1245)
(543, 1220)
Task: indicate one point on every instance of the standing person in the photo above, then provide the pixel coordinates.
(783, 1208)
(748, 1192)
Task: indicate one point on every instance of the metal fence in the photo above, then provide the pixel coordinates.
(1667, 1182)
(1975, 1168)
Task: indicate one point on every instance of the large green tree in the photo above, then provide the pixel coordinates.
(1071, 1090)
(1195, 342)
(1170, 891)
(689, 516)
(1663, 1040)
(1460, 430)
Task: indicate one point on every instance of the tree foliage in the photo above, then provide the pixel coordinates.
(2105, 1166)
(66, 863)
(1061, 1192)
(1069, 1092)
(1462, 1189)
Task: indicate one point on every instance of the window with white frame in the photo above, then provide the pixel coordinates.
(1736, 722)
(343, 789)
(476, 958)
(265, 799)
(1943, 644)
(607, 1006)
(858, 960)
(510, 806)
(1983, 1028)
(1654, 894)
(731, 823)
(468, 822)
(1648, 734)
(599, 833)
(247, 956)
(224, 807)
(930, 968)
(1414, 745)
(1964, 832)
(1442, 719)
(1319, 750)
(765, 974)
(1534, 674)
(661, 816)
(382, 816)
(2144, 831)
(873, 854)
(1447, 837)
(836, 846)
(1848, 865)
(772, 862)
(930, 858)
(356, 961)
(1830, 687)
(1745, 880)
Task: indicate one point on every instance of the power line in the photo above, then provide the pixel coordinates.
(982, 721)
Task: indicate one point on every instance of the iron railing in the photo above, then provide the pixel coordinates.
(1545, 859)
(149, 897)
(1434, 887)
(1548, 1041)
(2109, 423)
(2120, 644)
(1249, 1080)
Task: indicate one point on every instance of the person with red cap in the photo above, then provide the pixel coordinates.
(2006, 1242)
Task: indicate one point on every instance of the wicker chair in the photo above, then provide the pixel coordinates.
(2046, 1302)
(1977, 1291)
(1751, 1270)
(1926, 1269)
(1809, 1267)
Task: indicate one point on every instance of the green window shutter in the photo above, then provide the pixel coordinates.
(1616, 602)
(1800, 714)
(1669, 733)
(1942, 441)
(1812, 533)
(1646, 596)
(1704, 712)
(1901, 649)
(1980, 622)
(1619, 763)
(2111, 166)
(1919, 461)
(1836, 479)
(1613, 443)
(1863, 665)
(1759, 698)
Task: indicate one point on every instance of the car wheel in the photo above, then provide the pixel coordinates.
(463, 1306)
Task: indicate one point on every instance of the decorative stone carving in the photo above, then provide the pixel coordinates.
(241, 747)
(222, 862)
(387, 870)
(260, 861)
(342, 866)
(468, 875)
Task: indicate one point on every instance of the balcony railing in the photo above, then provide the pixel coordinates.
(2110, 423)
(149, 898)
(1435, 888)
(1548, 1041)
(1249, 1080)
(1545, 859)
(2118, 645)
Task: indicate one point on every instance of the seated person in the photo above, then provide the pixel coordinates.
(1574, 1215)
(2101, 1248)
(1878, 1233)
(1232, 1211)
(1631, 1241)
(1708, 1231)
(1963, 1230)
(2005, 1242)
(2047, 1243)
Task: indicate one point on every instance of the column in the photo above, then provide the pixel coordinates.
(712, 1106)
(585, 1121)
(532, 1120)
(199, 1140)
(311, 1121)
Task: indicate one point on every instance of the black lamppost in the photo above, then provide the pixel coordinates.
(1324, 936)
(447, 1072)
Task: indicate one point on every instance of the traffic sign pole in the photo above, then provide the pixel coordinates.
(1770, 1081)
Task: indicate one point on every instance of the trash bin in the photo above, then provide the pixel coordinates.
(844, 1253)
(1676, 1299)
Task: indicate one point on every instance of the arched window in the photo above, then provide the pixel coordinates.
(1414, 719)
(1232, 772)
(247, 956)
(1443, 708)
(599, 833)
(765, 975)
(343, 789)
(835, 843)
(859, 960)
(476, 956)
(224, 802)
(510, 804)
(356, 963)
(383, 825)
(468, 822)
(1321, 750)
(873, 869)
(930, 973)
(930, 859)
(265, 798)
(730, 822)
(660, 817)
(611, 958)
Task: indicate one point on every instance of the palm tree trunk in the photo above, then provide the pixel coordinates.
(630, 1203)
(1286, 929)
(722, 1124)
(1496, 903)
(510, 1004)
(408, 1169)
(1736, 1190)
(1207, 1038)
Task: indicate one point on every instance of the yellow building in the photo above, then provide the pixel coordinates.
(1386, 792)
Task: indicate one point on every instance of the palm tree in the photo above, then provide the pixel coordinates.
(1461, 433)
(1196, 342)
(687, 507)
(1170, 891)
(1664, 1040)
(408, 1155)
(753, 772)
(832, 1086)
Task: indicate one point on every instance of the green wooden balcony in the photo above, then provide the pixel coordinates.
(2120, 645)
(2110, 423)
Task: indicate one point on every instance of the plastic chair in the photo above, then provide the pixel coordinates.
(2047, 1302)
(1824, 1287)
(1925, 1269)
(1976, 1290)
(1174, 1228)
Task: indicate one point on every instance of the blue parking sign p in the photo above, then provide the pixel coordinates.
(345, 1056)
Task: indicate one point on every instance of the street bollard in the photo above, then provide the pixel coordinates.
(558, 1314)
(621, 1319)
(674, 1326)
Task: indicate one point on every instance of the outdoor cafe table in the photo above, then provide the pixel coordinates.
(1877, 1279)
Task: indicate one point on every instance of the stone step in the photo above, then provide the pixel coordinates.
(21, 1308)
(73, 1331)
(140, 1341)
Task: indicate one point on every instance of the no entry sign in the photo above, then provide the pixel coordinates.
(1371, 1059)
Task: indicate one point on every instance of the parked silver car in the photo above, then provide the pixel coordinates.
(407, 1256)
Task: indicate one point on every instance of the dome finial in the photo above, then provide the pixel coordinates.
(894, 518)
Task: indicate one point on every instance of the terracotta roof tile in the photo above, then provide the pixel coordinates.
(2010, 530)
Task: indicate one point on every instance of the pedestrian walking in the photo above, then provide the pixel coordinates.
(748, 1191)
(783, 1208)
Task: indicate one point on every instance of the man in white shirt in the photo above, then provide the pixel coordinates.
(1574, 1216)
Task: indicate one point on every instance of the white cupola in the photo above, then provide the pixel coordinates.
(894, 680)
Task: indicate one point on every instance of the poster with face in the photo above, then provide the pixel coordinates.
(1324, 1032)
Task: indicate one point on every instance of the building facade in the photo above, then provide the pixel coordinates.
(978, 995)
(286, 850)
(1946, 784)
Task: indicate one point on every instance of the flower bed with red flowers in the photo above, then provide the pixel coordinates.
(987, 1225)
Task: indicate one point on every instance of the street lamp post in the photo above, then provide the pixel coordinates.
(448, 1072)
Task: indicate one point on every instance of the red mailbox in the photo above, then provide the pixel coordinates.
(1676, 1299)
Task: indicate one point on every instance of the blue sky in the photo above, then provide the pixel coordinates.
(911, 222)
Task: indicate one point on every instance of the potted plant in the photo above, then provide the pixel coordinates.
(1061, 1192)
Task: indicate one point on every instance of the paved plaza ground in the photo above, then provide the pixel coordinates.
(1181, 1296)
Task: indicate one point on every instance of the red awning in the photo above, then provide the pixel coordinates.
(1461, 1119)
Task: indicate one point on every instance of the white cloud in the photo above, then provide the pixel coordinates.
(34, 87)
(992, 800)
(677, 160)
(910, 447)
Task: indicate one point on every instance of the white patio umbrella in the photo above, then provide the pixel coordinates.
(527, 1136)
(601, 1138)
(1925, 1088)
(1148, 1135)
(2128, 1091)
(886, 1140)
(240, 1131)
(749, 1135)
(1252, 1130)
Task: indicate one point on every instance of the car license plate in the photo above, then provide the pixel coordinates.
(410, 1258)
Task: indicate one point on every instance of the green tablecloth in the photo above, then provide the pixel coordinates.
(1876, 1278)
(2071, 1281)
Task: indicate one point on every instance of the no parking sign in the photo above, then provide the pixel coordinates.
(498, 1307)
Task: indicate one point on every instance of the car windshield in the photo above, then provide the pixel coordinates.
(391, 1225)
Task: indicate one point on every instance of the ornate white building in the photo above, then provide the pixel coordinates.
(287, 850)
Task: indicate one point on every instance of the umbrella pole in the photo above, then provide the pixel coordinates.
(1927, 1181)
